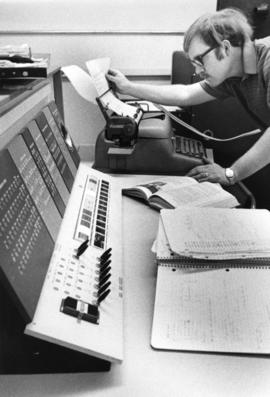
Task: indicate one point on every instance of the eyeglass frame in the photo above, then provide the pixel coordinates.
(198, 60)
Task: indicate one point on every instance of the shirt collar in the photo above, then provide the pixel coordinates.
(249, 58)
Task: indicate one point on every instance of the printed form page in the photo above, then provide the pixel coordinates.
(218, 233)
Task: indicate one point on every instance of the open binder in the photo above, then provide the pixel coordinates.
(212, 305)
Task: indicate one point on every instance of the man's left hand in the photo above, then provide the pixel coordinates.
(210, 172)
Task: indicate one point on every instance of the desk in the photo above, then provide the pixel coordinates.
(144, 371)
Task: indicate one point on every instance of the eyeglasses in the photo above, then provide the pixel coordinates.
(198, 60)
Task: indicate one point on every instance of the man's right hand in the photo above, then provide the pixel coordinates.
(122, 84)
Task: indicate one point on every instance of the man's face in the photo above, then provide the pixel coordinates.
(206, 63)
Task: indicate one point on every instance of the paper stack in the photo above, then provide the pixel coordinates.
(213, 233)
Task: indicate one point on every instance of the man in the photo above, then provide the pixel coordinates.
(220, 47)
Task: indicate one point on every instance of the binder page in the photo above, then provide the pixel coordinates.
(212, 310)
(218, 233)
(161, 246)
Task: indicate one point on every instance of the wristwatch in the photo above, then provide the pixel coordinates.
(229, 173)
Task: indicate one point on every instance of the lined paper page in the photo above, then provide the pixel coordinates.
(212, 310)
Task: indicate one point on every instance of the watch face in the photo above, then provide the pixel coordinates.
(229, 173)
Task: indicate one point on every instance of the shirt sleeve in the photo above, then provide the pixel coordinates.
(266, 76)
(220, 92)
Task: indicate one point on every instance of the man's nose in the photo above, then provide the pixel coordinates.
(199, 69)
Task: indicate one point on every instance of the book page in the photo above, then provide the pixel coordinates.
(218, 233)
(182, 191)
(212, 310)
(150, 188)
(146, 190)
(197, 194)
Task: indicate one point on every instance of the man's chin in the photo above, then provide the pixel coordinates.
(209, 81)
(212, 81)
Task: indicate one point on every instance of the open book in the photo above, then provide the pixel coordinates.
(181, 191)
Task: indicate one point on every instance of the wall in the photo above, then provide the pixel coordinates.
(139, 36)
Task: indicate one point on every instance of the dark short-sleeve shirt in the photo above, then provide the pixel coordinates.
(253, 90)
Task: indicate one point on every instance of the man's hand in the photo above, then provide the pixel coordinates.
(122, 84)
(210, 172)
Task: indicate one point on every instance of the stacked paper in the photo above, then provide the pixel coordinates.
(213, 233)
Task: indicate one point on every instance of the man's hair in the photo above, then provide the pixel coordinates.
(227, 24)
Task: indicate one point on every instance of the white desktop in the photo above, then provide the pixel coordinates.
(144, 371)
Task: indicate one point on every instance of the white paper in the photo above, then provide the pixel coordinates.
(82, 82)
(98, 65)
(110, 101)
(93, 85)
(161, 246)
(212, 310)
(218, 233)
(97, 69)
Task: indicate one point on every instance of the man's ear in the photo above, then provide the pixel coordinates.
(224, 49)
(226, 46)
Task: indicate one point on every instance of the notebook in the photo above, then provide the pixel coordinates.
(212, 309)
(209, 304)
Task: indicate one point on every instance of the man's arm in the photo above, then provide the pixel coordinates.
(172, 94)
(252, 161)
